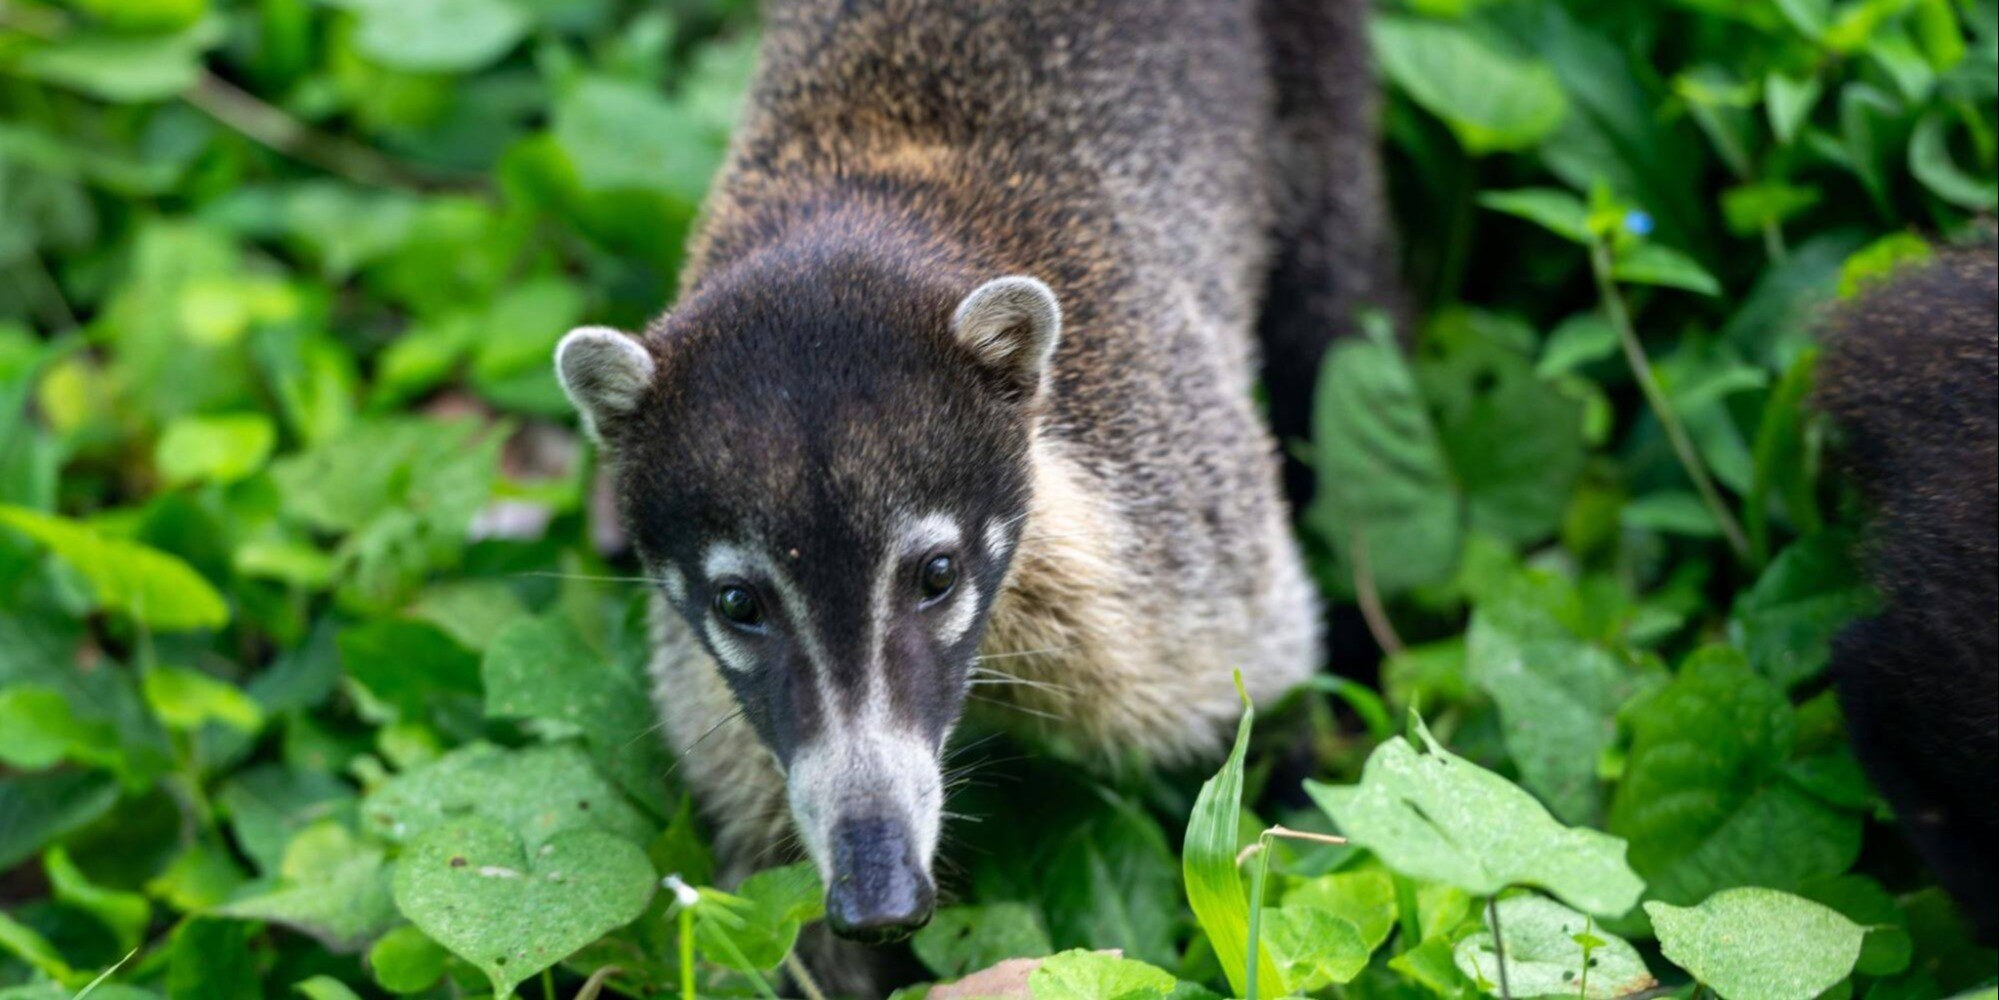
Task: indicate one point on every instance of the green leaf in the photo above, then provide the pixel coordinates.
(28, 945)
(1544, 957)
(125, 68)
(1703, 788)
(1090, 975)
(1114, 882)
(42, 731)
(324, 988)
(1207, 863)
(1557, 695)
(1887, 948)
(1581, 339)
(473, 887)
(218, 449)
(1652, 264)
(1314, 947)
(535, 793)
(438, 36)
(1493, 101)
(1553, 209)
(1789, 100)
(1787, 620)
(407, 664)
(39, 809)
(542, 669)
(1752, 208)
(1433, 815)
(1759, 944)
(405, 960)
(212, 958)
(1385, 492)
(965, 939)
(624, 137)
(331, 886)
(188, 699)
(126, 914)
(1365, 899)
(754, 928)
(150, 586)
(1931, 163)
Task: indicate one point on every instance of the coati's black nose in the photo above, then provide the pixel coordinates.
(879, 891)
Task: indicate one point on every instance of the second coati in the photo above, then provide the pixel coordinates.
(1911, 377)
(958, 391)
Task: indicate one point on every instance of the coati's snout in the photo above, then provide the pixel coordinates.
(881, 890)
(828, 485)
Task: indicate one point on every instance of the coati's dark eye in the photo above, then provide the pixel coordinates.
(939, 574)
(738, 604)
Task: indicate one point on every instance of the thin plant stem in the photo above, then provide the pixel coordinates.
(268, 125)
(803, 976)
(548, 984)
(687, 953)
(1369, 597)
(1648, 381)
(1256, 917)
(1498, 945)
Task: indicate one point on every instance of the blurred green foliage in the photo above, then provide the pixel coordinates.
(300, 600)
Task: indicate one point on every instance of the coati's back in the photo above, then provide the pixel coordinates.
(1911, 376)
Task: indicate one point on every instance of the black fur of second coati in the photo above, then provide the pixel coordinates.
(1912, 379)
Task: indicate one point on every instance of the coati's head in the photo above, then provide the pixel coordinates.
(824, 463)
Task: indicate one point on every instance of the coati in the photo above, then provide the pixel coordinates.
(1911, 377)
(958, 390)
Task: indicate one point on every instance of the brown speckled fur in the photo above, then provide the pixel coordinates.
(1179, 181)
(1912, 378)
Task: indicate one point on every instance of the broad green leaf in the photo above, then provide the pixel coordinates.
(1545, 956)
(1314, 947)
(42, 731)
(126, 914)
(1887, 948)
(408, 664)
(1492, 100)
(472, 886)
(1385, 494)
(28, 945)
(1553, 209)
(38, 809)
(405, 960)
(1752, 208)
(268, 805)
(1931, 162)
(324, 988)
(622, 136)
(1113, 882)
(151, 587)
(331, 886)
(212, 958)
(1786, 621)
(1759, 944)
(125, 68)
(535, 793)
(438, 36)
(1365, 899)
(1208, 865)
(541, 669)
(1789, 100)
(1557, 694)
(1581, 339)
(1090, 975)
(1703, 788)
(964, 939)
(1433, 815)
(1652, 264)
(188, 699)
(219, 449)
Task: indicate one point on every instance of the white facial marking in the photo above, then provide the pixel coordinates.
(724, 560)
(674, 582)
(866, 770)
(999, 538)
(958, 611)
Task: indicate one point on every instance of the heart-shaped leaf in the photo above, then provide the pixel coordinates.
(472, 888)
(1759, 944)
(1546, 955)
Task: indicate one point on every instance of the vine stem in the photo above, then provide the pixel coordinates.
(1648, 381)
(803, 977)
(269, 125)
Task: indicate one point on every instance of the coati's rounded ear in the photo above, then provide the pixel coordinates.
(1011, 325)
(604, 373)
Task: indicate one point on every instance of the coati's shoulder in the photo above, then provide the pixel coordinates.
(1911, 378)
